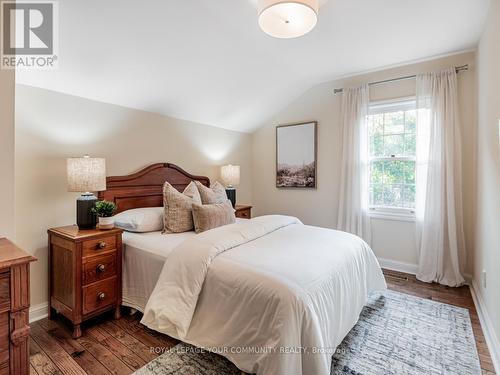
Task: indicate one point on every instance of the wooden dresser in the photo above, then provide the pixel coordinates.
(14, 308)
(85, 273)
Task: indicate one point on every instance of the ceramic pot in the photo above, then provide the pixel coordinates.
(106, 223)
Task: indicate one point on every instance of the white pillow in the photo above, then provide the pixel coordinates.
(140, 220)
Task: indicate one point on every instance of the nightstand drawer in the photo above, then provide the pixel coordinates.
(93, 247)
(243, 214)
(4, 291)
(99, 295)
(99, 268)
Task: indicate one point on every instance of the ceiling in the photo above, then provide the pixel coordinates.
(207, 60)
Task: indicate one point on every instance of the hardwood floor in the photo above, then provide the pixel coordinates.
(122, 346)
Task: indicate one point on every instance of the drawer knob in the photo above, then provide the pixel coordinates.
(101, 296)
(102, 245)
(101, 268)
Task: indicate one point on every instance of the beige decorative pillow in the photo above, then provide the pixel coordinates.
(178, 208)
(209, 216)
(216, 193)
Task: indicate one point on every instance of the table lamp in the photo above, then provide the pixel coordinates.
(230, 175)
(86, 175)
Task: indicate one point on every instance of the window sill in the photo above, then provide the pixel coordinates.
(392, 216)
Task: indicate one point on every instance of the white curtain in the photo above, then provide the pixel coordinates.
(353, 204)
(440, 234)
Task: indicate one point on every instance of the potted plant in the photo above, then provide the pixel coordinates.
(104, 211)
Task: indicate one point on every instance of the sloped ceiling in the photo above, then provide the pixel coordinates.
(207, 60)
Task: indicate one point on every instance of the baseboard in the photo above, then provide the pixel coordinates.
(39, 311)
(487, 326)
(398, 266)
(410, 268)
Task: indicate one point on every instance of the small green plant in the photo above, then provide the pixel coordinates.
(104, 209)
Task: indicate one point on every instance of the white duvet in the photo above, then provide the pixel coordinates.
(271, 294)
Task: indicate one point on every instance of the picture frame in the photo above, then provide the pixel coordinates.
(296, 155)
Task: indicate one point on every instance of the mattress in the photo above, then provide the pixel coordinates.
(143, 257)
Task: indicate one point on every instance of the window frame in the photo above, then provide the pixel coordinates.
(379, 107)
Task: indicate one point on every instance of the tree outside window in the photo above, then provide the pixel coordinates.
(391, 156)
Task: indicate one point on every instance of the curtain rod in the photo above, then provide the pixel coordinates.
(457, 69)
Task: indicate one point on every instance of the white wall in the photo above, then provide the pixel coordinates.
(487, 252)
(7, 100)
(51, 127)
(392, 240)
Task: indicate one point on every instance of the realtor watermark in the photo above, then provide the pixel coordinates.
(29, 35)
(225, 350)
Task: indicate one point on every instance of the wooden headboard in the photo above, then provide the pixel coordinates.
(145, 188)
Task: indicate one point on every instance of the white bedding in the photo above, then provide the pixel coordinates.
(271, 294)
(143, 257)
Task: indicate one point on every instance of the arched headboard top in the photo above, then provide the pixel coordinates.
(145, 187)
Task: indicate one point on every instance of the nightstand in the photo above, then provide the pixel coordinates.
(243, 211)
(85, 273)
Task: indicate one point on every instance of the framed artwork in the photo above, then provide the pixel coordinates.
(296, 155)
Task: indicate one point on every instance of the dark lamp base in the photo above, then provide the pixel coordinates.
(231, 195)
(85, 218)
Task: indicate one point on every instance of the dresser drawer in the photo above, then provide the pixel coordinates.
(93, 247)
(4, 291)
(99, 268)
(4, 337)
(99, 295)
(4, 368)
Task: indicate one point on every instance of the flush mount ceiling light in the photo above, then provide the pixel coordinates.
(288, 18)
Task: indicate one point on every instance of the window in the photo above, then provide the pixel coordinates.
(391, 156)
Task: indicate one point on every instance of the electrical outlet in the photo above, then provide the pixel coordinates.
(483, 279)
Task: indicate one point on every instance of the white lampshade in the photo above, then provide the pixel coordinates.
(230, 175)
(86, 174)
(288, 19)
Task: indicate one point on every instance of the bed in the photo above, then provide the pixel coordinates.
(271, 294)
(143, 257)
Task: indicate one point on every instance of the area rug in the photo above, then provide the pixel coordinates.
(396, 334)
